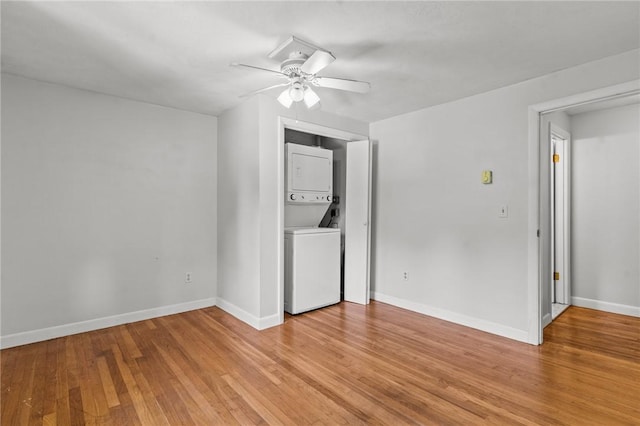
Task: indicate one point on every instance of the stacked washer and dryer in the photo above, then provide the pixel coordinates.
(312, 254)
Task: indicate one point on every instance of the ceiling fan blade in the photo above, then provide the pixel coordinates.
(255, 92)
(342, 84)
(236, 64)
(317, 61)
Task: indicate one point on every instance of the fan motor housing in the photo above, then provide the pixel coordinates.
(291, 66)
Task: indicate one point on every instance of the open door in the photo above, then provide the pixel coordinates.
(560, 216)
(357, 222)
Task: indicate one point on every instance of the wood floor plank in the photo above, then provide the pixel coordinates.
(128, 345)
(26, 387)
(50, 419)
(107, 383)
(143, 412)
(345, 364)
(193, 387)
(125, 412)
(75, 407)
(51, 365)
(208, 366)
(37, 395)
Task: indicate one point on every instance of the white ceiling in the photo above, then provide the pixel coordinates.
(414, 54)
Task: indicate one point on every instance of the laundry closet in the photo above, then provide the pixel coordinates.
(318, 235)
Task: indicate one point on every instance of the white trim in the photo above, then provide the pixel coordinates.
(534, 284)
(270, 321)
(282, 124)
(316, 129)
(369, 216)
(622, 89)
(454, 317)
(534, 291)
(546, 320)
(239, 313)
(43, 334)
(614, 308)
(244, 316)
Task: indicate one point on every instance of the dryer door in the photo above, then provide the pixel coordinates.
(310, 173)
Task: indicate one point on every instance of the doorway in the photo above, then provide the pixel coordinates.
(350, 210)
(539, 241)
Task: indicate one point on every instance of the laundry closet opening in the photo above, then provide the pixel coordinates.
(326, 221)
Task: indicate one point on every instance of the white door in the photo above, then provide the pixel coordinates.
(357, 222)
(560, 192)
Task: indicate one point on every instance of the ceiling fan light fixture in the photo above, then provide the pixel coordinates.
(296, 92)
(310, 98)
(285, 98)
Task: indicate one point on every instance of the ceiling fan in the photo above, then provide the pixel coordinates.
(300, 64)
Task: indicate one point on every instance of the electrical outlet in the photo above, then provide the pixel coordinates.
(405, 276)
(187, 277)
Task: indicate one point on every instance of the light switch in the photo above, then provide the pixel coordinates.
(503, 211)
(487, 177)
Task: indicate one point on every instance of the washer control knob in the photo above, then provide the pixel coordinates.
(293, 196)
(328, 197)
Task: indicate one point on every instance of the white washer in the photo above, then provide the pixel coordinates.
(311, 268)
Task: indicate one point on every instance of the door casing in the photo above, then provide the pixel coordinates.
(535, 280)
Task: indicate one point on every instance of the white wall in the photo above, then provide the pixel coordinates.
(106, 204)
(238, 210)
(606, 209)
(435, 220)
(255, 238)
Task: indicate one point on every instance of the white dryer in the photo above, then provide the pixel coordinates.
(308, 185)
(311, 268)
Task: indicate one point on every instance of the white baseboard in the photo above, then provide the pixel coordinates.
(546, 320)
(614, 308)
(42, 334)
(270, 321)
(244, 316)
(239, 313)
(454, 317)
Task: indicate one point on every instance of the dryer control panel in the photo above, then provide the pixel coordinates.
(308, 198)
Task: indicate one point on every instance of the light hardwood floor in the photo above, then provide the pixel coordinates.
(346, 364)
